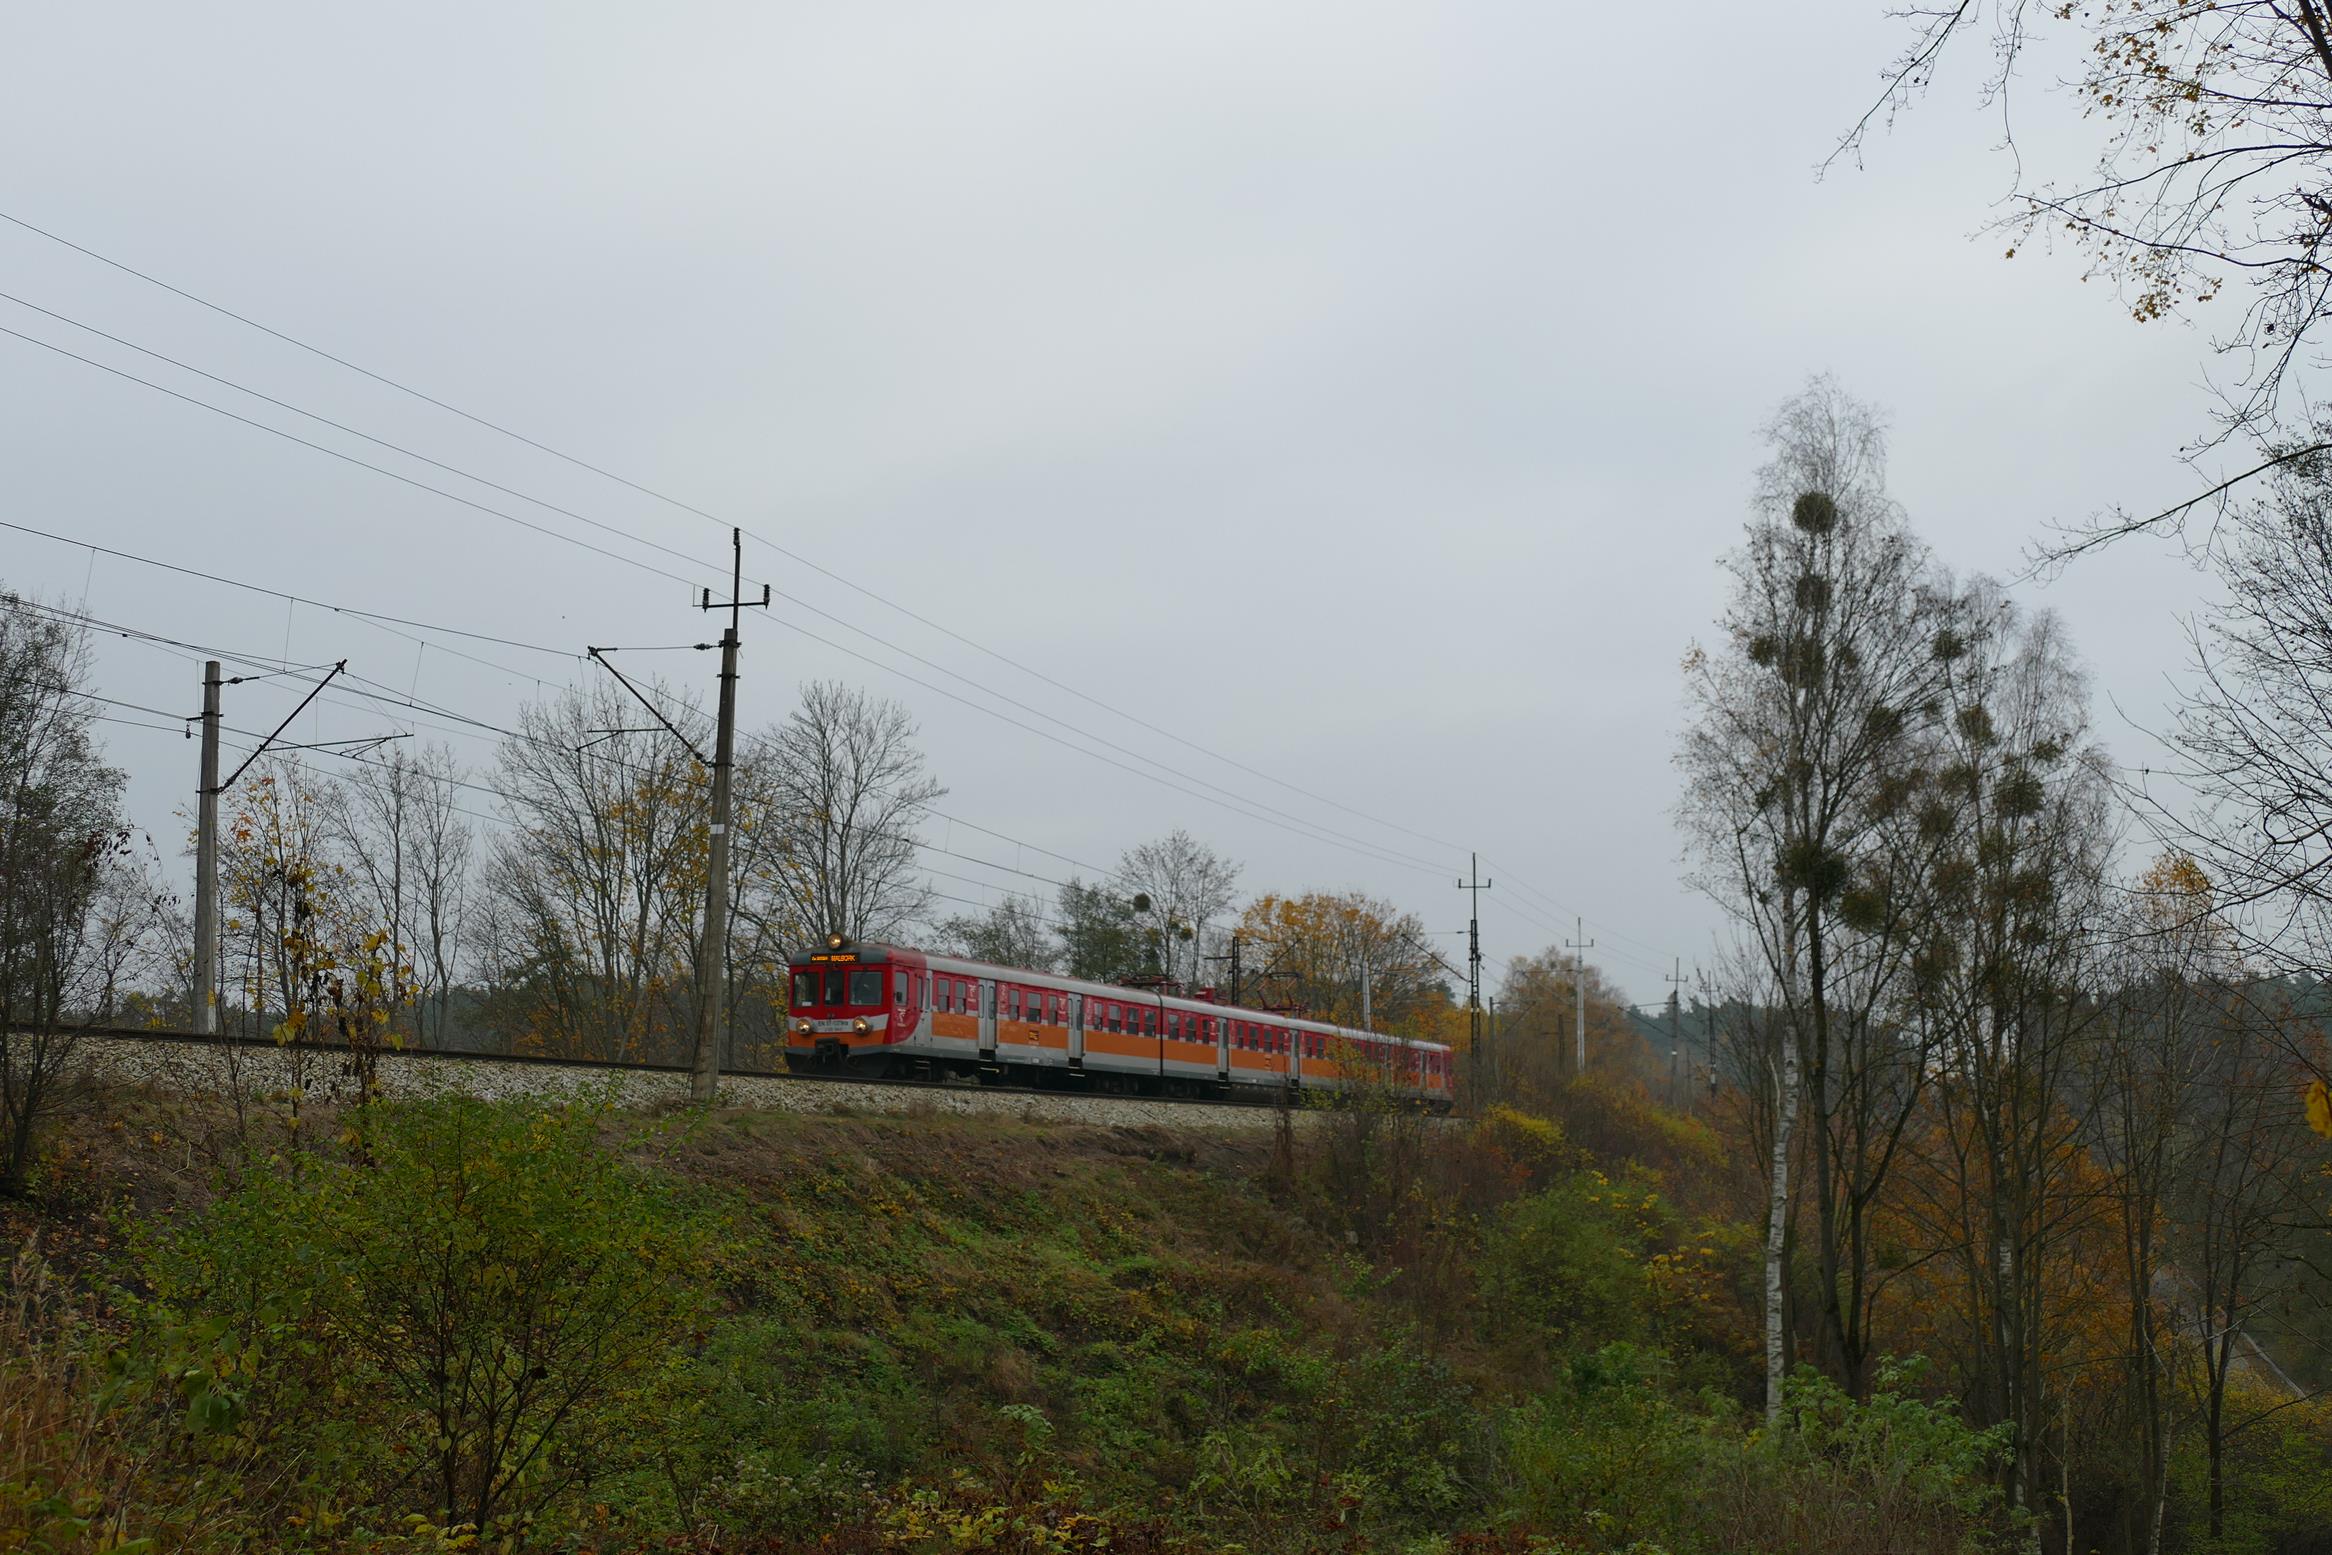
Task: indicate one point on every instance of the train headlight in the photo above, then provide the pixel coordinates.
(860, 1026)
(836, 940)
(802, 1026)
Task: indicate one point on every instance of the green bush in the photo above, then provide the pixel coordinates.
(461, 1312)
(1898, 1475)
(1568, 1263)
(1606, 1461)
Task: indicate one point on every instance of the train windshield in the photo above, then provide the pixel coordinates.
(839, 987)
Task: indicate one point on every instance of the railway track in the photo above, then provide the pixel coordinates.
(645, 1066)
(190, 1061)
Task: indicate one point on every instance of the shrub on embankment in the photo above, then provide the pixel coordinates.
(511, 1324)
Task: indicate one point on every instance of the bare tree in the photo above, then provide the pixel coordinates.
(2005, 961)
(1011, 933)
(850, 790)
(2248, 1181)
(405, 844)
(74, 906)
(1803, 757)
(2213, 166)
(2256, 733)
(1189, 886)
(595, 891)
(2166, 997)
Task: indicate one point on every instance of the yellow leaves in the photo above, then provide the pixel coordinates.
(2320, 1108)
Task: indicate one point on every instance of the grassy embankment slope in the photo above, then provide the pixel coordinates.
(779, 1332)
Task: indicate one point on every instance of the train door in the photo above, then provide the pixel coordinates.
(1222, 1026)
(1077, 1029)
(987, 1018)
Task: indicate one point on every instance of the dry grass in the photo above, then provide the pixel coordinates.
(65, 1475)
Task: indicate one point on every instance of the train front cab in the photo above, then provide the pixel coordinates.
(846, 1009)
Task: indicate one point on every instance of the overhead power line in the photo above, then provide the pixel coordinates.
(1311, 829)
(1005, 697)
(681, 505)
(373, 617)
(362, 464)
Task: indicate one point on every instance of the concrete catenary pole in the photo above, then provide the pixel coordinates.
(1678, 1094)
(206, 861)
(1579, 982)
(712, 971)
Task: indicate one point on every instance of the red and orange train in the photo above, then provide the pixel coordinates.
(888, 1010)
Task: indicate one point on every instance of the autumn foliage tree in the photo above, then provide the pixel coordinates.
(1341, 956)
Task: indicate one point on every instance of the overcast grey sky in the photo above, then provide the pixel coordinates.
(1363, 392)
